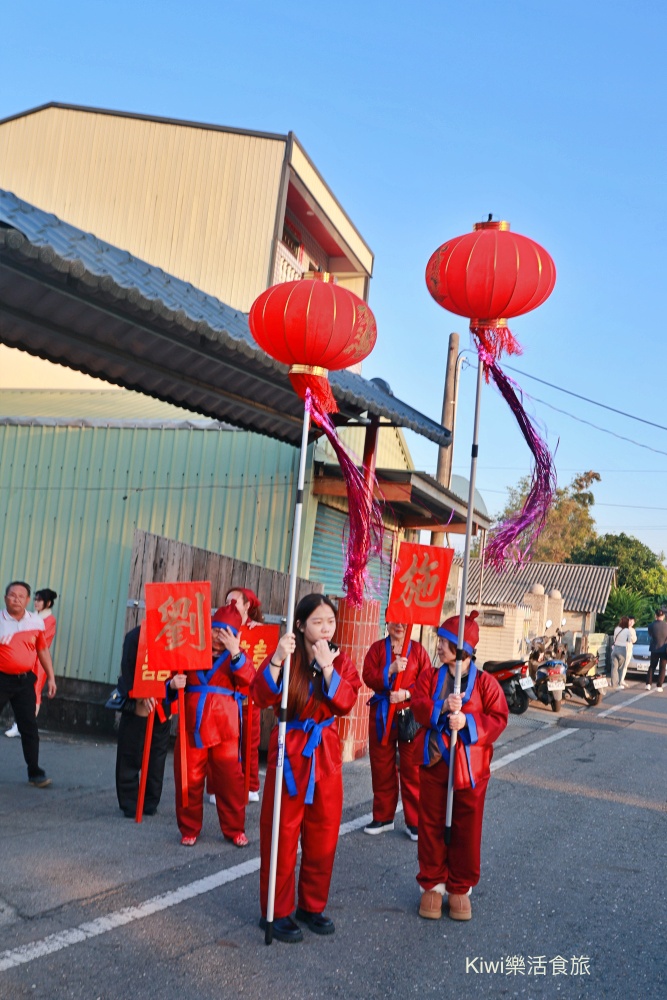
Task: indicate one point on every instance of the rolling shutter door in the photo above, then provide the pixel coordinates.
(327, 563)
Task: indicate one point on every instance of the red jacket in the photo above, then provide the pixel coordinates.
(376, 675)
(312, 742)
(485, 707)
(211, 716)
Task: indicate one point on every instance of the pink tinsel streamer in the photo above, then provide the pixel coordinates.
(366, 529)
(517, 535)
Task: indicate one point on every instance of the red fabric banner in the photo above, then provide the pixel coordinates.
(419, 584)
(178, 627)
(259, 642)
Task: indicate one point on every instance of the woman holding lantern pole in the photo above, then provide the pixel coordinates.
(384, 661)
(323, 685)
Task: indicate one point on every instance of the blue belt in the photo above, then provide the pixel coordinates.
(315, 729)
(382, 712)
(204, 690)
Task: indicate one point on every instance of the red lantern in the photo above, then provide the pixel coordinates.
(490, 275)
(313, 326)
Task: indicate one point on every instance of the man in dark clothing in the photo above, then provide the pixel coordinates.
(657, 632)
(131, 736)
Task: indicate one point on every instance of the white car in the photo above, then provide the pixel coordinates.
(640, 654)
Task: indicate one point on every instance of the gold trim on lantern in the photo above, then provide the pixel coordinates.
(309, 370)
(491, 224)
(488, 323)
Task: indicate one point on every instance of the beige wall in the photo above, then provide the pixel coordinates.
(199, 203)
(506, 643)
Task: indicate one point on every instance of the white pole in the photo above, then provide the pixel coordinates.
(282, 718)
(464, 588)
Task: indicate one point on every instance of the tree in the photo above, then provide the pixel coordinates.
(639, 568)
(624, 601)
(569, 524)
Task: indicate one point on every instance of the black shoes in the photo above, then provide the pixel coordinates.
(317, 922)
(39, 781)
(379, 826)
(412, 832)
(284, 929)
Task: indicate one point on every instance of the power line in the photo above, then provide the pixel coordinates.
(605, 430)
(587, 399)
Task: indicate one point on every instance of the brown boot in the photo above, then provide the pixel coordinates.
(459, 907)
(431, 905)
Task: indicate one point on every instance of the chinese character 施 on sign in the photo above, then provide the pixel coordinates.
(419, 585)
(178, 626)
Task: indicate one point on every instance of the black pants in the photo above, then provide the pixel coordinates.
(651, 668)
(131, 734)
(19, 691)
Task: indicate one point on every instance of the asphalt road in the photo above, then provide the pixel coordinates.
(571, 901)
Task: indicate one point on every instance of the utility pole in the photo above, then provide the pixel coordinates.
(446, 455)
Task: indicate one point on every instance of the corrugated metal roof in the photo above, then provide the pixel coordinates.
(583, 588)
(71, 298)
(94, 407)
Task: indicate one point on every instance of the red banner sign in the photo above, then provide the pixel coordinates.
(419, 584)
(178, 627)
(258, 642)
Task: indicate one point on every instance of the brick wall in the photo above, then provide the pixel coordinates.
(357, 629)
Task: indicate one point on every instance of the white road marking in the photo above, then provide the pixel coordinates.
(619, 708)
(65, 939)
(511, 757)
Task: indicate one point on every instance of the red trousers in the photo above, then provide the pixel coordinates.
(385, 775)
(318, 825)
(254, 745)
(456, 865)
(225, 780)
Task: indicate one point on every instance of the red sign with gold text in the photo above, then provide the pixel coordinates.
(178, 627)
(419, 584)
(258, 642)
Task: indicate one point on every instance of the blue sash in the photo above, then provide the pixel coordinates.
(205, 688)
(315, 729)
(381, 698)
(440, 722)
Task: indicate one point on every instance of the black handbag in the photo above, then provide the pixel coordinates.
(407, 725)
(116, 701)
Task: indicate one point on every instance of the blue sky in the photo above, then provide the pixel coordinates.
(424, 118)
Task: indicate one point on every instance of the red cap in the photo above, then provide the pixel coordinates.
(227, 617)
(450, 630)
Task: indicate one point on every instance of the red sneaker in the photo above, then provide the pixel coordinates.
(240, 840)
(188, 841)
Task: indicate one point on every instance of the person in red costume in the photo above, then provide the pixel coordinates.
(249, 607)
(213, 722)
(323, 685)
(383, 661)
(479, 715)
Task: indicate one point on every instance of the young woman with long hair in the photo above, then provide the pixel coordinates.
(323, 685)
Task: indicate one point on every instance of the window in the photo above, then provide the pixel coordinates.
(492, 619)
(291, 239)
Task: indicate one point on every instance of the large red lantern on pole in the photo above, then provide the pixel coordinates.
(491, 275)
(313, 326)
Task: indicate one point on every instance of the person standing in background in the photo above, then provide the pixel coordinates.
(43, 602)
(22, 638)
(657, 632)
(624, 638)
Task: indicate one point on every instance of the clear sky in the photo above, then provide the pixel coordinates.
(423, 118)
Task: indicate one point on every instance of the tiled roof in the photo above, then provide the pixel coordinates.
(583, 588)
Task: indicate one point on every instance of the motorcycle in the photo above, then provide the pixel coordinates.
(508, 675)
(582, 678)
(548, 673)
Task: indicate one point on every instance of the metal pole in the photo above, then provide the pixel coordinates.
(464, 588)
(282, 718)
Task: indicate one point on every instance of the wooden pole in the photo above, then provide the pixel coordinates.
(396, 685)
(446, 454)
(183, 745)
(248, 749)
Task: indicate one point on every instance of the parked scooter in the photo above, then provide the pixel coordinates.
(508, 675)
(547, 672)
(582, 678)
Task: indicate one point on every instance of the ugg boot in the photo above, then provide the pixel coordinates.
(459, 907)
(430, 906)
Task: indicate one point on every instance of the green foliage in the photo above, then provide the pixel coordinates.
(625, 601)
(569, 525)
(639, 568)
